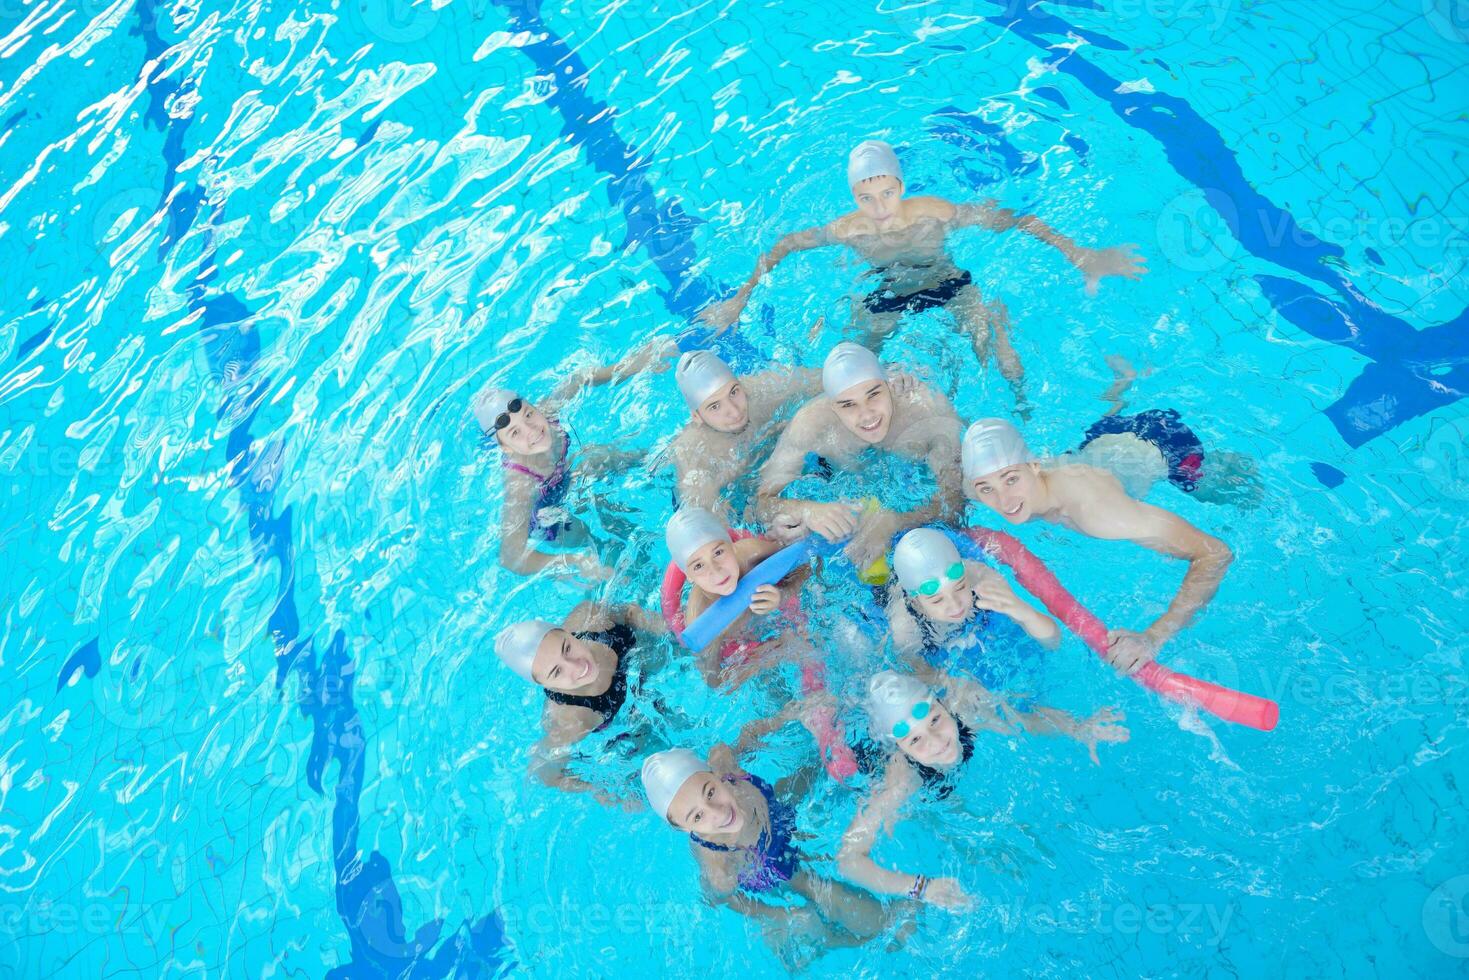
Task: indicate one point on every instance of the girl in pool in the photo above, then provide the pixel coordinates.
(951, 614)
(714, 563)
(582, 666)
(929, 741)
(536, 463)
(741, 832)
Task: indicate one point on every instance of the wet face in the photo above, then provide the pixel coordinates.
(866, 410)
(878, 197)
(933, 741)
(528, 432)
(727, 410)
(714, 568)
(705, 805)
(1011, 492)
(564, 664)
(952, 603)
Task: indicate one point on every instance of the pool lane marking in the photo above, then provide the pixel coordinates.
(367, 897)
(1413, 371)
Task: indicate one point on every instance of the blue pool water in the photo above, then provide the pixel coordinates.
(258, 258)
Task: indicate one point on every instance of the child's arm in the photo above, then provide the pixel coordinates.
(723, 314)
(565, 725)
(992, 592)
(651, 356)
(876, 812)
(1093, 263)
(517, 555)
(1104, 726)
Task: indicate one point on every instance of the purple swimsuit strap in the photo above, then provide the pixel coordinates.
(554, 477)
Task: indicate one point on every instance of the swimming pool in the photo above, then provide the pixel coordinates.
(259, 261)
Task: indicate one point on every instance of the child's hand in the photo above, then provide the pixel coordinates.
(834, 522)
(995, 594)
(1104, 726)
(765, 601)
(947, 893)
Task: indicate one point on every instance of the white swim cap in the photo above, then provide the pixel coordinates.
(689, 530)
(872, 158)
(991, 445)
(700, 373)
(849, 364)
(923, 554)
(517, 644)
(664, 774)
(890, 700)
(490, 404)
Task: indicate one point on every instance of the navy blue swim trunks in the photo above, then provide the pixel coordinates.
(1181, 449)
(884, 300)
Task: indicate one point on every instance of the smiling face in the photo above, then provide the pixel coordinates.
(878, 198)
(727, 410)
(933, 741)
(714, 568)
(1012, 492)
(564, 664)
(866, 409)
(705, 805)
(528, 432)
(952, 603)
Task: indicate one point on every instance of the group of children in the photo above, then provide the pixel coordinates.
(955, 623)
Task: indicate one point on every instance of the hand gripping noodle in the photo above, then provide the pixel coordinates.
(1233, 706)
(700, 373)
(664, 774)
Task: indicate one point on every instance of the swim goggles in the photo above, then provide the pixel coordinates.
(503, 419)
(920, 711)
(954, 574)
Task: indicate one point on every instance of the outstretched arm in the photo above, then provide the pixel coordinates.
(879, 811)
(1113, 514)
(1094, 263)
(650, 356)
(722, 315)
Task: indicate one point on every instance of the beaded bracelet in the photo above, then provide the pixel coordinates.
(920, 885)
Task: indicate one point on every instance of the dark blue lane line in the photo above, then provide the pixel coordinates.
(367, 897)
(664, 230)
(1414, 371)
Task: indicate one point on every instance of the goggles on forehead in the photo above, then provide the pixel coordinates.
(503, 419)
(920, 711)
(954, 573)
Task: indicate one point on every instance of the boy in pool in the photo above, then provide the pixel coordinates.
(905, 240)
(857, 411)
(1000, 473)
(927, 743)
(949, 614)
(742, 835)
(731, 418)
(535, 462)
(582, 668)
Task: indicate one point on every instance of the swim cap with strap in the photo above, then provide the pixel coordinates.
(849, 364)
(872, 158)
(923, 554)
(890, 700)
(700, 373)
(491, 404)
(664, 774)
(517, 644)
(991, 445)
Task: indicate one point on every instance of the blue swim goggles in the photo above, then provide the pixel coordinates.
(920, 711)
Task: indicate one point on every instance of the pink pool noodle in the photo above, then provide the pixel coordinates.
(1233, 706)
